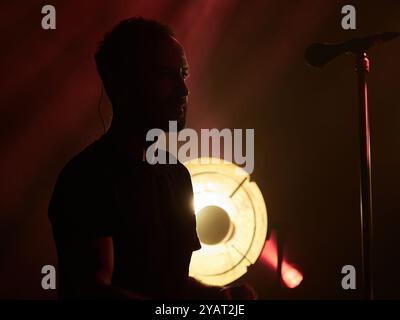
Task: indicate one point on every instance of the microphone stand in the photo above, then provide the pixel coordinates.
(362, 69)
(318, 55)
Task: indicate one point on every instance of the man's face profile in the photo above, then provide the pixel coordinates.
(162, 85)
(169, 84)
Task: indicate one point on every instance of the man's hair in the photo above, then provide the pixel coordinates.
(131, 41)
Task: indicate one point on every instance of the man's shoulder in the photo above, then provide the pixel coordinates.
(81, 199)
(87, 164)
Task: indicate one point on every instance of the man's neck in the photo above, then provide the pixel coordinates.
(134, 145)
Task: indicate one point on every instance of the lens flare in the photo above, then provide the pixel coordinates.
(291, 277)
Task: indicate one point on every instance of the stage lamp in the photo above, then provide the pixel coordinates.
(231, 218)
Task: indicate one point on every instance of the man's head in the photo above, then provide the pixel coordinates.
(143, 68)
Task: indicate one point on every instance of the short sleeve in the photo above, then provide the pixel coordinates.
(81, 205)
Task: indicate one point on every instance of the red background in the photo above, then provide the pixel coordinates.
(247, 71)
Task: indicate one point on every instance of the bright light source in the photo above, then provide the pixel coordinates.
(231, 221)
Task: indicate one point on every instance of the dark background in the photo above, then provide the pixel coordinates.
(247, 71)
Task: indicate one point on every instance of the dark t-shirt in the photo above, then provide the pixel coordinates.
(146, 209)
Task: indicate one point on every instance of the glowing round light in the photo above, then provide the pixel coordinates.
(231, 221)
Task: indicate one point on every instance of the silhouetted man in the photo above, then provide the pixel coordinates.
(125, 228)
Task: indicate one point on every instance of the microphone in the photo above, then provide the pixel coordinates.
(319, 54)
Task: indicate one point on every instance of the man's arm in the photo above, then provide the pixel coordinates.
(89, 263)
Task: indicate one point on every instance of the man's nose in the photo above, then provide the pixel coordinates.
(182, 88)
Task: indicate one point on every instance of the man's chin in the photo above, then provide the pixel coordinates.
(181, 125)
